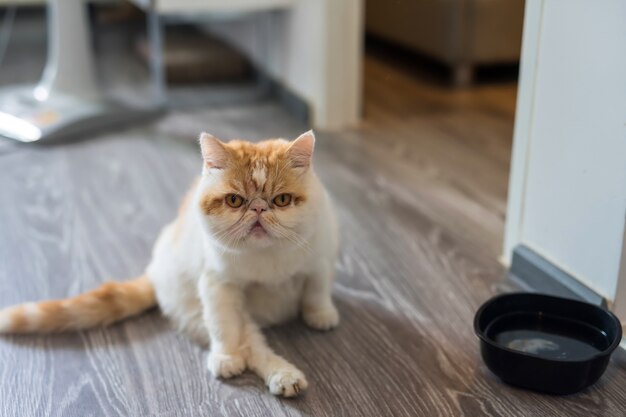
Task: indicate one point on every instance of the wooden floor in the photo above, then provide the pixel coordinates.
(421, 190)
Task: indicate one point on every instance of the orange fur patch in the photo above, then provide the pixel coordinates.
(19, 320)
(262, 169)
(210, 204)
(111, 302)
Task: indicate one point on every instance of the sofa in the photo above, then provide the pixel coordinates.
(461, 34)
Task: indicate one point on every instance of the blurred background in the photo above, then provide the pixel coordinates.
(310, 56)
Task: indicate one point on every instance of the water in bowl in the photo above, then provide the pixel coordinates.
(547, 336)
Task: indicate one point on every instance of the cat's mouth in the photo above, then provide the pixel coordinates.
(257, 229)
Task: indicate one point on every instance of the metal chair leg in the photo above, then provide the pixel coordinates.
(157, 69)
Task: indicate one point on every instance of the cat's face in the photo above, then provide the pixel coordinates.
(257, 195)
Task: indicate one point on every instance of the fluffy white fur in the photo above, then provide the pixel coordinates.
(220, 284)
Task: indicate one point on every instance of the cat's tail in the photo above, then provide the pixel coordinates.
(111, 302)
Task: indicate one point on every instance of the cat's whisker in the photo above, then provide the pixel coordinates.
(292, 237)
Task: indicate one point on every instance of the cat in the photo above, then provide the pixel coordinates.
(254, 244)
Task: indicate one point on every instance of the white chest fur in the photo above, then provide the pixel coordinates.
(267, 267)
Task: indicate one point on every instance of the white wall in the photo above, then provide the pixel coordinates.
(315, 49)
(568, 184)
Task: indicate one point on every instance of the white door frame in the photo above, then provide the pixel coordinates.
(533, 18)
(522, 145)
(620, 296)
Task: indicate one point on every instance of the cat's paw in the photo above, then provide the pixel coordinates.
(322, 318)
(287, 382)
(223, 365)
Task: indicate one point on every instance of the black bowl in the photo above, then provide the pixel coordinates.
(544, 343)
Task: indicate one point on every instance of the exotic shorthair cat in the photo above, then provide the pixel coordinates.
(254, 244)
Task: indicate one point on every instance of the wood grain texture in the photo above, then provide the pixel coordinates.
(420, 189)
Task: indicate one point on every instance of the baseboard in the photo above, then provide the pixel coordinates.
(537, 274)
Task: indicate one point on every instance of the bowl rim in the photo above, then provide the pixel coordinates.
(483, 337)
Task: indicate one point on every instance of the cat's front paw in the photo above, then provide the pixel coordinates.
(223, 365)
(287, 382)
(325, 318)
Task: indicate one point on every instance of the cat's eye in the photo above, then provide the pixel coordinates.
(234, 200)
(282, 200)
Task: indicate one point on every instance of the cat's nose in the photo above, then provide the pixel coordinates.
(258, 205)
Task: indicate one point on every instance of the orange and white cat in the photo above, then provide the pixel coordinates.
(254, 244)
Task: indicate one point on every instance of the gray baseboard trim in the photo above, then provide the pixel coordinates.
(535, 273)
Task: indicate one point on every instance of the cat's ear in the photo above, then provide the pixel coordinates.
(301, 150)
(214, 153)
